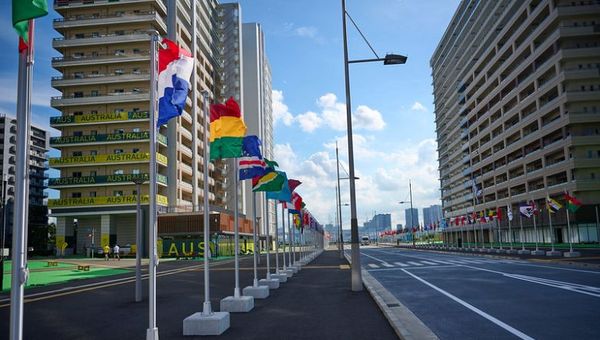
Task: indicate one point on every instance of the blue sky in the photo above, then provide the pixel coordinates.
(394, 131)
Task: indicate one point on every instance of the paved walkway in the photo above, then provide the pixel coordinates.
(316, 303)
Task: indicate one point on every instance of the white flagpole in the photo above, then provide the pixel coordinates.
(152, 331)
(569, 230)
(276, 243)
(236, 232)
(254, 232)
(536, 233)
(289, 240)
(268, 242)
(550, 222)
(509, 217)
(20, 271)
(522, 233)
(283, 234)
(206, 307)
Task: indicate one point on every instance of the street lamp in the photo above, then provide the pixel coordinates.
(3, 243)
(412, 220)
(138, 181)
(390, 59)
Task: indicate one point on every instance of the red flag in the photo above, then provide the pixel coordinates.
(499, 213)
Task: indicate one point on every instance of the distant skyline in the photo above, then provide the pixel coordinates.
(394, 132)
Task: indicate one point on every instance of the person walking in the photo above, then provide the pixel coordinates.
(116, 252)
(106, 250)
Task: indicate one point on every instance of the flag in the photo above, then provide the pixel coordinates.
(22, 12)
(509, 212)
(296, 203)
(499, 214)
(271, 181)
(251, 163)
(476, 191)
(227, 130)
(293, 183)
(572, 203)
(535, 208)
(527, 210)
(552, 205)
(175, 66)
(284, 193)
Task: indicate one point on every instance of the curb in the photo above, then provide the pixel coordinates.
(404, 322)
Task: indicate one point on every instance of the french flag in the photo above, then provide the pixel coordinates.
(175, 66)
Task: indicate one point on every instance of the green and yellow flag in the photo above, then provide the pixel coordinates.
(22, 12)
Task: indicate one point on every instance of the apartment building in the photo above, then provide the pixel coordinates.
(432, 215)
(517, 111)
(104, 121)
(38, 212)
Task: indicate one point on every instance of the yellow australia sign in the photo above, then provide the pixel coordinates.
(103, 200)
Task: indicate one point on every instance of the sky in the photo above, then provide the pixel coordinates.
(392, 106)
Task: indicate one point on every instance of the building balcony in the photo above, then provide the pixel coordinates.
(99, 59)
(95, 79)
(127, 137)
(91, 181)
(95, 20)
(103, 201)
(59, 5)
(106, 159)
(101, 39)
(87, 119)
(100, 99)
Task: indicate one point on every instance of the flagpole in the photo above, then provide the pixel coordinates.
(569, 230)
(537, 249)
(509, 226)
(268, 232)
(206, 307)
(289, 240)
(255, 284)
(20, 271)
(522, 234)
(550, 222)
(152, 331)
(283, 236)
(276, 243)
(236, 231)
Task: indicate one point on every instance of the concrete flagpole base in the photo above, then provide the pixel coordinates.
(512, 251)
(271, 283)
(538, 253)
(500, 251)
(240, 304)
(294, 269)
(257, 292)
(553, 253)
(212, 324)
(523, 252)
(572, 254)
(289, 272)
(152, 333)
(280, 277)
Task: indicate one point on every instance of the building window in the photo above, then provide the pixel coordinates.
(118, 151)
(77, 174)
(136, 130)
(93, 173)
(135, 171)
(76, 195)
(77, 154)
(93, 152)
(94, 93)
(118, 193)
(92, 194)
(119, 131)
(119, 90)
(136, 150)
(93, 132)
(94, 112)
(78, 75)
(118, 172)
(119, 71)
(119, 52)
(136, 71)
(77, 133)
(78, 94)
(136, 51)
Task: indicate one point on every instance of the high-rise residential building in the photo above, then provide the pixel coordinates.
(38, 212)
(517, 106)
(411, 217)
(398, 226)
(258, 112)
(432, 215)
(104, 120)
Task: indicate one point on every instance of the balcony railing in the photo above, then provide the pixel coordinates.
(100, 98)
(121, 158)
(104, 138)
(99, 58)
(103, 201)
(99, 118)
(101, 39)
(102, 180)
(91, 79)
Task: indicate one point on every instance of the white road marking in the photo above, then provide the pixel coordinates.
(499, 323)
(414, 263)
(385, 264)
(430, 263)
(373, 265)
(401, 264)
(573, 287)
(442, 262)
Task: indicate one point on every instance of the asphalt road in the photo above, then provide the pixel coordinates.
(477, 297)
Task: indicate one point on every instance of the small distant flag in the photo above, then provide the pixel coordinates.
(552, 205)
(527, 210)
(509, 212)
(572, 203)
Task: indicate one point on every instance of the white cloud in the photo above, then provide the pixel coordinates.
(368, 119)
(280, 110)
(309, 121)
(333, 112)
(418, 107)
(306, 31)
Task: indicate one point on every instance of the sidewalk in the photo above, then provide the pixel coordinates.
(316, 303)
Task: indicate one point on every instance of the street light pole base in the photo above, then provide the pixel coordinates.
(357, 284)
(152, 333)
(572, 254)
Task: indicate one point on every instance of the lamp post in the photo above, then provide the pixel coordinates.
(2, 244)
(138, 181)
(412, 220)
(390, 59)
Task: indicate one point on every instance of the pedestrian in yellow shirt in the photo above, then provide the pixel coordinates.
(106, 251)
